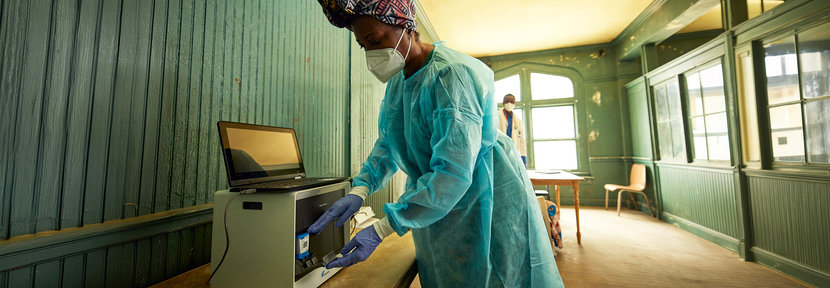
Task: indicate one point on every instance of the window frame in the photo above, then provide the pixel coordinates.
(684, 120)
(685, 97)
(762, 101)
(528, 103)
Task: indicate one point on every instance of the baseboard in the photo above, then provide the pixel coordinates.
(713, 236)
(49, 245)
(791, 268)
(643, 208)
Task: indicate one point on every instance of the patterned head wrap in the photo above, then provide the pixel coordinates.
(393, 12)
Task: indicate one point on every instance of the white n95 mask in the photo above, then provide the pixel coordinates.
(509, 106)
(386, 62)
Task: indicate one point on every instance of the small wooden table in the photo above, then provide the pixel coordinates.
(556, 179)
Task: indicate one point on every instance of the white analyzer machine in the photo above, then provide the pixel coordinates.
(268, 245)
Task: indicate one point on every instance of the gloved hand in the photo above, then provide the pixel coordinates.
(364, 243)
(343, 209)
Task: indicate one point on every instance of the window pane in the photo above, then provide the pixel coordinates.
(518, 113)
(699, 137)
(818, 130)
(695, 99)
(712, 82)
(716, 124)
(553, 122)
(555, 154)
(718, 147)
(661, 103)
(773, 64)
(787, 139)
(509, 85)
(717, 137)
(666, 146)
(814, 49)
(790, 64)
(678, 138)
(748, 113)
(544, 86)
(698, 126)
(780, 87)
(673, 97)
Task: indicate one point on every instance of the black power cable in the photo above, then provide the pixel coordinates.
(227, 237)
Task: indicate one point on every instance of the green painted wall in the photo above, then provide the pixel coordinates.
(704, 196)
(680, 44)
(109, 108)
(640, 127)
(602, 116)
(789, 217)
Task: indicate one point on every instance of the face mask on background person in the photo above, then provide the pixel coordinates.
(386, 62)
(509, 106)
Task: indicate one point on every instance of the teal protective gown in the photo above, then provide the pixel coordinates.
(468, 200)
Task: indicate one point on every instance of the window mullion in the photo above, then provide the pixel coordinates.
(786, 103)
(801, 99)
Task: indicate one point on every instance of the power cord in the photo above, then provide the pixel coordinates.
(227, 237)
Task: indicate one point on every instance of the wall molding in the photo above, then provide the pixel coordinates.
(788, 175)
(715, 169)
(620, 158)
(789, 267)
(631, 29)
(49, 245)
(706, 233)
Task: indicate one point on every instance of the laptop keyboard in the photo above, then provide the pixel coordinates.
(284, 183)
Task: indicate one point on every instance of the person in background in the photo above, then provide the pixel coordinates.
(512, 125)
(468, 201)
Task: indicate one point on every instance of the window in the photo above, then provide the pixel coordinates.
(509, 85)
(554, 137)
(548, 108)
(544, 86)
(554, 122)
(707, 113)
(798, 95)
(669, 121)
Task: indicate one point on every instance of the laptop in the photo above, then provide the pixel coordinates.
(265, 158)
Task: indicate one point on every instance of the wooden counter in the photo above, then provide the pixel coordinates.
(391, 265)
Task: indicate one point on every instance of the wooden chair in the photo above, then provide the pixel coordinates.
(636, 184)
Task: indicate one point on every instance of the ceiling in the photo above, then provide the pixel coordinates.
(709, 21)
(496, 27)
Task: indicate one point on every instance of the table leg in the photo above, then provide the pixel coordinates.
(576, 207)
(558, 204)
(547, 190)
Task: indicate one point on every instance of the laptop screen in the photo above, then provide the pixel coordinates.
(255, 153)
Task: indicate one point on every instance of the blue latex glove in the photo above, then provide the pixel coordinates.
(364, 243)
(524, 160)
(343, 209)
